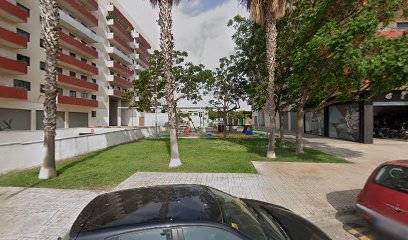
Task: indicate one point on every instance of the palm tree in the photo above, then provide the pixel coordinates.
(50, 34)
(167, 48)
(267, 13)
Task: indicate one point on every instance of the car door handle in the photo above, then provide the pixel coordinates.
(397, 209)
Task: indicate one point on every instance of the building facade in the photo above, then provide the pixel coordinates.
(102, 52)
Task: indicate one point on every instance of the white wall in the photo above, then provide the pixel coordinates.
(24, 155)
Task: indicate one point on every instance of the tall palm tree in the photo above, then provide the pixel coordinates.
(50, 33)
(167, 48)
(267, 13)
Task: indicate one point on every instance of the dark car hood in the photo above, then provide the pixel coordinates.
(297, 227)
(160, 204)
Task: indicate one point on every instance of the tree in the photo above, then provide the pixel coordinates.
(167, 46)
(50, 33)
(227, 88)
(268, 12)
(188, 81)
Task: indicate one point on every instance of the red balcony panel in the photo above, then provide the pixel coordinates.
(12, 13)
(392, 34)
(91, 5)
(77, 82)
(122, 31)
(121, 69)
(74, 44)
(77, 101)
(12, 66)
(79, 12)
(122, 82)
(77, 64)
(13, 92)
(121, 44)
(141, 40)
(118, 93)
(11, 39)
(122, 18)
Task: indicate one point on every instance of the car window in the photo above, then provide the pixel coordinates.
(155, 234)
(207, 233)
(394, 177)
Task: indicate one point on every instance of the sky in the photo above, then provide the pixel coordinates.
(199, 27)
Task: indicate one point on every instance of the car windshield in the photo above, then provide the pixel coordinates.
(254, 223)
(394, 177)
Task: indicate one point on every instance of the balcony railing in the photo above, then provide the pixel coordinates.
(118, 81)
(120, 43)
(118, 29)
(393, 34)
(91, 5)
(115, 93)
(79, 12)
(12, 13)
(77, 101)
(77, 28)
(120, 56)
(75, 64)
(75, 82)
(12, 40)
(119, 16)
(13, 92)
(77, 46)
(10, 66)
(141, 40)
(116, 67)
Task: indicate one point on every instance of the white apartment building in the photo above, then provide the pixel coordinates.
(103, 51)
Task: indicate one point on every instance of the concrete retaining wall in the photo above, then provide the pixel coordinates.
(24, 155)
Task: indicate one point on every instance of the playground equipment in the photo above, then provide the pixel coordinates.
(245, 122)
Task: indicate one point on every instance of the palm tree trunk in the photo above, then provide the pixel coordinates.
(271, 36)
(167, 46)
(300, 123)
(50, 34)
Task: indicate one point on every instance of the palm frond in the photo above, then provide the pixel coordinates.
(155, 3)
(259, 9)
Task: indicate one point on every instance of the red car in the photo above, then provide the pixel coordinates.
(384, 199)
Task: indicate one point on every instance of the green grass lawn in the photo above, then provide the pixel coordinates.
(105, 169)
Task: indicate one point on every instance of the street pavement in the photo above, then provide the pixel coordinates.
(323, 193)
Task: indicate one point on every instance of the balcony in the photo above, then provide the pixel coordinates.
(117, 14)
(118, 81)
(120, 56)
(116, 67)
(142, 41)
(77, 28)
(79, 12)
(115, 93)
(91, 5)
(77, 101)
(120, 43)
(75, 64)
(78, 47)
(12, 40)
(77, 83)
(10, 66)
(13, 92)
(118, 29)
(12, 13)
(392, 34)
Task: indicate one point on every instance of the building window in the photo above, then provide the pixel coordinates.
(84, 95)
(59, 70)
(83, 77)
(22, 84)
(24, 8)
(60, 92)
(72, 54)
(72, 74)
(93, 97)
(93, 80)
(93, 64)
(84, 60)
(42, 88)
(41, 43)
(72, 93)
(72, 35)
(23, 59)
(93, 114)
(402, 26)
(23, 33)
(42, 66)
(82, 41)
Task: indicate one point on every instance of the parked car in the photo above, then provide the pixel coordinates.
(187, 212)
(384, 199)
